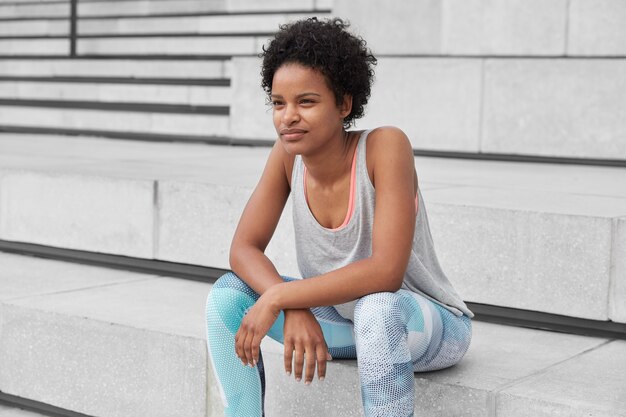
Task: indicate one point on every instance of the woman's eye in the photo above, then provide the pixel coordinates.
(276, 103)
(307, 101)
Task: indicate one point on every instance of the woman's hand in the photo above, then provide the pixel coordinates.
(254, 326)
(303, 336)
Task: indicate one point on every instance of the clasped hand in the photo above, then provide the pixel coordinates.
(303, 339)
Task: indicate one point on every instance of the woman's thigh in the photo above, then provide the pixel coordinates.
(437, 338)
(338, 331)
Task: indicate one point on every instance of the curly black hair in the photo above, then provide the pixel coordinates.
(343, 59)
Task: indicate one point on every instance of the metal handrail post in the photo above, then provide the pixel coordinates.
(73, 4)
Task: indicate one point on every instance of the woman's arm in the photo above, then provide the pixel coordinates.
(257, 224)
(302, 333)
(393, 173)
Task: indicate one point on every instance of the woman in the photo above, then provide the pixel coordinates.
(373, 288)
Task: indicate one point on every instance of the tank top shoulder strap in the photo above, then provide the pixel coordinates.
(362, 172)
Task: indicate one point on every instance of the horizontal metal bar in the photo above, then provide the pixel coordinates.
(172, 15)
(134, 57)
(212, 82)
(140, 35)
(108, 106)
(206, 14)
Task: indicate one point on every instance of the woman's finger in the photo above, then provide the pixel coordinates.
(288, 356)
(247, 348)
(298, 361)
(256, 348)
(310, 356)
(322, 356)
(239, 338)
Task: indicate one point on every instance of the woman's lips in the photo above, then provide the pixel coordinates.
(292, 134)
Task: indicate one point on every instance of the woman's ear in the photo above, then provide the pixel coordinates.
(346, 106)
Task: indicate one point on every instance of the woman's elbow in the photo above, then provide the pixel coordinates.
(394, 283)
(394, 277)
(235, 256)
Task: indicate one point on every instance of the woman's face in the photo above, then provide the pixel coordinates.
(305, 112)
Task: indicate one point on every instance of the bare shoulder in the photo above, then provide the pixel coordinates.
(388, 146)
(388, 139)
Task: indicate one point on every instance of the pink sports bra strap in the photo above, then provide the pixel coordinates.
(350, 198)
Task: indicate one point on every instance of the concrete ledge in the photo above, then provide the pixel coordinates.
(222, 24)
(115, 68)
(122, 121)
(35, 27)
(42, 46)
(502, 28)
(555, 107)
(43, 9)
(117, 93)
(597, 28)
(617, 306)
(117, 343)
(129, 7)
(453, 27)
(549, 235)
(221, 45)
(98, 214)
(6, 411)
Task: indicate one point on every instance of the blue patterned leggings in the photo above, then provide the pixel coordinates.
(393, 335)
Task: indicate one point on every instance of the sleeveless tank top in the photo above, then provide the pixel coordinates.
(320, 250)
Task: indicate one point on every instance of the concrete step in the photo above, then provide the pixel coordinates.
(121, 92)
(146, 7)
(35, 46)
(142, 121)
(43, 9)
(540, 237)
(143, 7)
(584, 28)
(118, 343)
(172, 45)
(40, 27)
(201, 24)
(32, 1)
(8, 411)
(68, 67)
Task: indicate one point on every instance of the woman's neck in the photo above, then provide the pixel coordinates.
(331, 165)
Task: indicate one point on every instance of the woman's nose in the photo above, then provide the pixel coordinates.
(290, 115)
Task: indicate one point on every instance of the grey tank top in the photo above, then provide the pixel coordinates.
(320, 250)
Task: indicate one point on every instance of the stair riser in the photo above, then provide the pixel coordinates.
(117, 93)
(121, 121)
(524, 260)
(115, 68)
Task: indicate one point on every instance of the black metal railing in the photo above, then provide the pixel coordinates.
(73, 21)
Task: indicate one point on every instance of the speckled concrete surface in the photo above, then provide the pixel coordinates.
(132, 344)
(6, 411)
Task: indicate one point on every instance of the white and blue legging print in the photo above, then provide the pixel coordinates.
(393, 335)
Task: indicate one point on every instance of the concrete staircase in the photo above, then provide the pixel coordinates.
(156, 70)
(527, 238)
(115, 339)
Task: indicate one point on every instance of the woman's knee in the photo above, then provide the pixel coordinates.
(229, 294)
(377, 310)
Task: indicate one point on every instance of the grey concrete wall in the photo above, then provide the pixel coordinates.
(532, 77)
